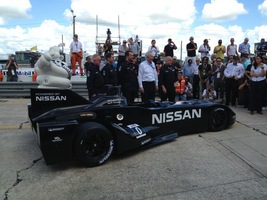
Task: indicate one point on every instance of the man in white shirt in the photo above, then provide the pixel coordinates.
(76, 53)
(204, 49)
(154, 50)
(148, 78)
(233, 72)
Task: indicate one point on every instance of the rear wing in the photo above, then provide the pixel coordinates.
(43, 100)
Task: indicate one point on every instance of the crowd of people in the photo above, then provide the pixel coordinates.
(226, 74)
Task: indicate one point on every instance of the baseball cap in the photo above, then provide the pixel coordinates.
(124, 41)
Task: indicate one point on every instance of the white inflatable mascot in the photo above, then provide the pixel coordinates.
(51, 71)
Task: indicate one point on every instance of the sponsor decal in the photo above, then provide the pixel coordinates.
(136, 131)
(145, 141)
(55, 129)
(120, 117)
(111, 146)
(50, 97)
(168, 117)
(114, 101)
(57, 139)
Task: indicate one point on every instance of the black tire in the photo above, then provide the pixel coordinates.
(93, 145)
(218, 119)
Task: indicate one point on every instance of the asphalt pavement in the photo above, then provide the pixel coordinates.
(231, 164)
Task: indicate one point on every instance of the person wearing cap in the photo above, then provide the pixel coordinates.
(76, 53)
(154, 50)
(122, 49)
(188, 70)
(168, 49)
(219, 50)
(233, 72)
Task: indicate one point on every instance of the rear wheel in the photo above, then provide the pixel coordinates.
(218, 119)
(94, 144)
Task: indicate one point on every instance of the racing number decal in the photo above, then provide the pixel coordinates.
(136, 130)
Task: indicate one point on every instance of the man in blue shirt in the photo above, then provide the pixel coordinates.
(244, 48)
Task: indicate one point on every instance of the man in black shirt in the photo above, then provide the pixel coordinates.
(167, 78)
(95, 81)
(191, 48)
(109, 72)
(128, 77)
(168, 49)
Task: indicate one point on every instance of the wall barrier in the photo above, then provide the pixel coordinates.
(22, 89)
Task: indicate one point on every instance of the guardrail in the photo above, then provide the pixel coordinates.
(22, 89)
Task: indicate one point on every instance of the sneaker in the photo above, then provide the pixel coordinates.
(252, 112)
(259, 112)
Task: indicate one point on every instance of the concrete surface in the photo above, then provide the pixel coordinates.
(231, 164)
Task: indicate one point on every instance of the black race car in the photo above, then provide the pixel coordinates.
(68, 125)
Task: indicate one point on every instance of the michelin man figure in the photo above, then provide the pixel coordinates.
(52, 72)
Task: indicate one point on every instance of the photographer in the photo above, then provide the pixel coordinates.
(154, 50)
(1, 73)
(204, 49)
(168, 49)
(209, 94)
(12, 67)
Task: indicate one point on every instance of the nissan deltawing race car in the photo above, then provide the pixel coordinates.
(69, 126)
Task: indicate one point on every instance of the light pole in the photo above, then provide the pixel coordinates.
(73, 21)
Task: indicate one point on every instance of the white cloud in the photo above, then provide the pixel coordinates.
(134, 12)
(13, 9)
(263, 8)
(223, 10)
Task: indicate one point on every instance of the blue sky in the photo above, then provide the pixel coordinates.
(40, 11)
(26, 23)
